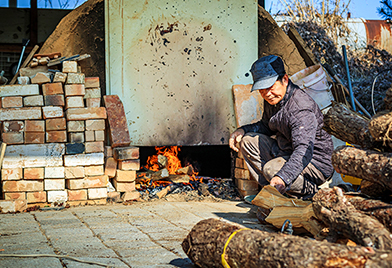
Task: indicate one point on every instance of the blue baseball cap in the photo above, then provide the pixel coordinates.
(265, 71)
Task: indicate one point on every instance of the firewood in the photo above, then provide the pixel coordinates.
(333, 208)
(188, 170)
(269, 197)
(254, 248)
(365, 164)
(296, 215)
(178, 178)
(380, 128)
(373, 189)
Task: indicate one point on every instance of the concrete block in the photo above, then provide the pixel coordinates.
(23, 186)
(91, 82)
(33, 101)
(8, 174)
(13, 137)
(23, 80)
(52, 112)
(74, 102)
(60, 77)
(129, 164)
(129, 196)
(52, 89)
(75, 78)
(125, 175)
(25, 113)
(13, 196)
(13, 126)
(36, 197)
(74, 172)
(34, 155)
(35, 126)
(95, 124)
(19, 90)
(56, 124)
(57, 196)
(34, 137)
(89, 135)
(92, 93)
(99, 135)
(75, 126)
(84, 159)
(40, 78)
(75, 148)
(56, 136)
(54, 184)
(33, 173)
(97, 193)
(76, 137)
(12, 102)
(18, 205)
(94, 170)
(54, 172)
(86, 113)
(93, 102)
(54, 100)
(74, 195)
(94, 147)
(124, 186)
(110, 167)
(118, 127)
(70, 66)
(74, 90)
(126, 153)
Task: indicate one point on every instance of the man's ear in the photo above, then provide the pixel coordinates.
(285, 80)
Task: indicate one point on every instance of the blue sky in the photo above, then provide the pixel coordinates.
(366, 9)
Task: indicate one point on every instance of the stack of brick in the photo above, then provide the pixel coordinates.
(55, 130)
(245, 184)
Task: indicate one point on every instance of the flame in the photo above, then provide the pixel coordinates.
(173, 162)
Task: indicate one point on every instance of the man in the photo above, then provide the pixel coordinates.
(287, 148)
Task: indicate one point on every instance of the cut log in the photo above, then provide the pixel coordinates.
(269, 198)
(296, 215)
(364, 164)
(375, 190)
(254, 248)
(333, 208)
(380, 127)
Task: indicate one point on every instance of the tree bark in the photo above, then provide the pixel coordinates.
(364, 164)
(375, 190)
(380, 127)
(333, 208)
(253, 248)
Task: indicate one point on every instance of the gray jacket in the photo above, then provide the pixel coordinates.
(297, 123)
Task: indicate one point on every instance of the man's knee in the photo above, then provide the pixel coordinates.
(272, 167)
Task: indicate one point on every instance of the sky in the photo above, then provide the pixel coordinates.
(366, 9)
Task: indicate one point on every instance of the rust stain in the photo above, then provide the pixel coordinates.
(374, 29)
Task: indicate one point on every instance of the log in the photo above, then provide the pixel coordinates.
(380, 127)
(254, 248)
(388, 99)
(365, 164)
(375, 190)
(333, 208)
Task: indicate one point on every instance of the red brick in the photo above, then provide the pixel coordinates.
(125, 176)
(118, 127)
(52, 89)
(74, 90)
(111, 167)
(126, 153)
(33, 173)
(8, 174)
(86, 113)
(97, 193)
(24, 113)
(94, 147)
(56, 136)
(12, 102)
(95, 124)
(23, 186)
(34, 137)
(133, 195)
(108, 151)
(13, 137)
(35, 126)
(94, 170)
(74, 195)
(52, 112)
(36, 197)
(74, 102)
(93, 102)
(74, 172)
(13, 196)
(124, 186)
(87, 182)
(56, 124)
(129, 164)
(54, 100)
(90, 82)
(13, 126)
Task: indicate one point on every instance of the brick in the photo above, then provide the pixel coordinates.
(92, 93)
(41, 78)
(35, 126)
(74, 172)
(19, 90)
(36, 197)
(13, 137)
(13, 196)
(240, 163)
(59, 77)
(93, 102)
(84, 159)
(33, 101)
(241, 173)
(124, 186)
(118, 127)
(75, 126)
(244, 193)
(23, 186)
(247, 185)
(74, 102)
(75, 148)
(75, 78)
(33, 173)
(23, 80)
(18, 205)
(25, 113)
(54, 172)
(8, 174)
(28, 71)
(54, 184)
(125, 175)
(13, 126)
(101, 201)
(86, 113)
(114, 197)
(128, 196)
(126, 153)
(87, 182)
(57, 196)
(90, 82)
(89, 136)
(110, 167)
(76, 137)
(54, 100)
(56, 124)
(56, 136)
(12, 102)
(34, 137)
(74, 90)
(99, 135)
(129, 164)
(52, 89)
(34, 155)
(77, 195)
(95, 124)
(97, 193)
(94, 147)
(108, 151)
(70, 66)
(94, 170)
(52, 112)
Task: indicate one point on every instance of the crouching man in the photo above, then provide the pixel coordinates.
(287, 148)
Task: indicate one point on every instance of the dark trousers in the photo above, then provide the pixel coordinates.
(263, 164)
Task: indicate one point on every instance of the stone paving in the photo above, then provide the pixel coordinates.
(137, 235)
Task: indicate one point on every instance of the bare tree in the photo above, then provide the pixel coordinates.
(385, 10)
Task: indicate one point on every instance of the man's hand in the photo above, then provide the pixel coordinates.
(235, 139)
(279, 184)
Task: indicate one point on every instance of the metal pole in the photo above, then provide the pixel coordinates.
(350, 89)
(25, 42)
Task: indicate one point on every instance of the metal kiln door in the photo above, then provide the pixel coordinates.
(173, 64)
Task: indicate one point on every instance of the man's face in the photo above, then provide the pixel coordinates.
(274, 94)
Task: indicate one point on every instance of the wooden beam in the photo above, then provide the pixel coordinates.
(302, 47)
